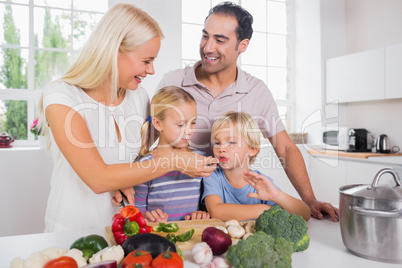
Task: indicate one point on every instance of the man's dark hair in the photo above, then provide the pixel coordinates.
(244, 19)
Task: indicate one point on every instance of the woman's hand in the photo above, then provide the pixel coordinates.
(266, 190)
(156, 216)
(189, 163)
(198, 215)
(128, 192)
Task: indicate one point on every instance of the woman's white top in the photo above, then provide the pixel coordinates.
(72, 204)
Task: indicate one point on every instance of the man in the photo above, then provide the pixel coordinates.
(219, 86)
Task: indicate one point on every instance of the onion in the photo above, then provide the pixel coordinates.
(218, 241)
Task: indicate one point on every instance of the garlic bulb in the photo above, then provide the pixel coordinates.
(250, 226)
(221, 263)
(231, 222)
(202, 253)
(221, 228)
(236, 231)
(246, 235)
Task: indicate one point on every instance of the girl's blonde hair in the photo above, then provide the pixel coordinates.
(122, 28)
(245, 124)
(165, 98)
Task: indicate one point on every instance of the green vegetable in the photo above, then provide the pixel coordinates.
(89, 245)
(171, 237)
(261, 250)
(167, 228)
(186, 236)
(131, 228)
(277, 222)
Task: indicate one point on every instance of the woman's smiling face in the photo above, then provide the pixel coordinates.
(136, 64)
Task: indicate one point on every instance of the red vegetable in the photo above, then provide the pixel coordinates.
(118, 223)
(168, 260)
(137, 257)
(217, 240)
(62, 262)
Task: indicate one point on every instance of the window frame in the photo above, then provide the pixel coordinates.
(32, 94)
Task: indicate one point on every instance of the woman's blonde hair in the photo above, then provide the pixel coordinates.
(245, 124)
(165, 98)
(122, 28)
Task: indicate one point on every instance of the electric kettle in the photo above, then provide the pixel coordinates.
(382, 144)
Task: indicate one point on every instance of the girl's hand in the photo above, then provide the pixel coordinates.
(197, 215)
(189, 163)
(156, 216)
(266, 190)
(128, 192)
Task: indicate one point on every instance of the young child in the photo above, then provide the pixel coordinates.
(233, 191)
(173, 196)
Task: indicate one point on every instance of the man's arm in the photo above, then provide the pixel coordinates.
(295, 168)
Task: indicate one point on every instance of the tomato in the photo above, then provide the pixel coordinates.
(132, 265)
(168, 260)
(62, 262)
(137, 257)
(129, 211)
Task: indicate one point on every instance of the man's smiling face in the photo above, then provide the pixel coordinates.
(219, 45)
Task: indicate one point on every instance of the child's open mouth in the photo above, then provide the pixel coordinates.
(223, 159)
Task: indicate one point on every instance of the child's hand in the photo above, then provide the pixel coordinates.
(266, 190)
(197, 215)
(156, 216)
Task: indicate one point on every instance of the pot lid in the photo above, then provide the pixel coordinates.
(375, 191)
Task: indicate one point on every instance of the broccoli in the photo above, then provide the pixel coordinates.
(277, 222)
(261, 250)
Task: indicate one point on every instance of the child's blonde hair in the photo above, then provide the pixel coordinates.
(245, 124)
(165, 98)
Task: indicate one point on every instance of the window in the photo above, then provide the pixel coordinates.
(267, 56)
(38, 41)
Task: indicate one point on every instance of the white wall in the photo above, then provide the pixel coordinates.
(368, 24)
(24, 189)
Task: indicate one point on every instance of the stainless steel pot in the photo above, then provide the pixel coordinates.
(371, 219)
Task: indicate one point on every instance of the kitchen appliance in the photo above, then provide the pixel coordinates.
(371, 219)
(360, 140)
(335, 138)
(382, 144)
(347, 139)
(6, 140)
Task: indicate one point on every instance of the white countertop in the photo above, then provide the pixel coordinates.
(326, 248)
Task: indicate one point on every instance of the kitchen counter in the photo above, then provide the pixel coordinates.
(326, 248)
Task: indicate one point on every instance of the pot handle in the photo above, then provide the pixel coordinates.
(383, 171)
(394, 213)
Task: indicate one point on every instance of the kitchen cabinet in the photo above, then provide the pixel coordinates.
(393, 67)
(356, 77)
(328, 174)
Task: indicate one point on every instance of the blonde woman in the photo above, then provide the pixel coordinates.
(233, 191)
(94, 114)
(173, 196)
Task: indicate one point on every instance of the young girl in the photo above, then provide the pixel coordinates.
(174, 196)
(233, 191)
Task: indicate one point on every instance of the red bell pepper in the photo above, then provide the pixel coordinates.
(118, 223)
(126, 217)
